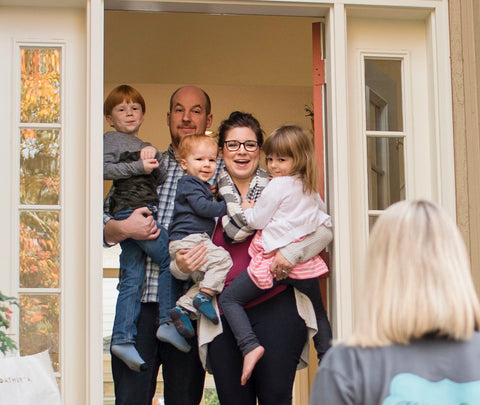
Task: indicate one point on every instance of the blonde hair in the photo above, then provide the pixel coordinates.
(294, 141)
(188, 143)
(417, 279)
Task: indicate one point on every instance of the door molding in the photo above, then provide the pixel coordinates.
(94, 197)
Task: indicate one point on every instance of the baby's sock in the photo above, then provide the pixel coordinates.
(181, 320)
(203, 303)
(167, 332)
(129, 355)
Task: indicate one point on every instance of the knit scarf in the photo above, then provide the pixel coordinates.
(235, 227)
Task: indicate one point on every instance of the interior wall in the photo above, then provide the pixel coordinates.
(256, 64)
(271, 105)
(209, 49)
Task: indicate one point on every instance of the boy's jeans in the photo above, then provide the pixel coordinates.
(131, 280)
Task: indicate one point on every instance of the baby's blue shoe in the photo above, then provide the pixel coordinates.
(181, 320)
(204, 304)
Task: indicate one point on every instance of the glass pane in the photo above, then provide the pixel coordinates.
(383, 95)
(39, 249)
(386, 177)
(39, 167)
(39, 325)
(40, 85)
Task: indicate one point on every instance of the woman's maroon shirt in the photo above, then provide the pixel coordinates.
(241, 259)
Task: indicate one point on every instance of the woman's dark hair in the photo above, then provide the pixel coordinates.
(239, 119)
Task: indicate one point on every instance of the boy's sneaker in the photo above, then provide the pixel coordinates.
(181, 320)
(167, 332)
(204, 304)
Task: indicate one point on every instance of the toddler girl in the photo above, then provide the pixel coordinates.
(288, 209)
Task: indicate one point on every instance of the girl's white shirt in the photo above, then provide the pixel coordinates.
(285, 213)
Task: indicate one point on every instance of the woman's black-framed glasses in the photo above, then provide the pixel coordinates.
(232, 146)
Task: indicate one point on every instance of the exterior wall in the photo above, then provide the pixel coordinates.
(464, 18)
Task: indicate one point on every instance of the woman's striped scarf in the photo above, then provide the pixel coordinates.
(235, 228)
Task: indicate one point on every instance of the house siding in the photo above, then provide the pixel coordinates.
(464, 16)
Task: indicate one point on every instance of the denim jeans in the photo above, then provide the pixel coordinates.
(132, 275)
(183, 374)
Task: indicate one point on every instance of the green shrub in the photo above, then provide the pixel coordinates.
(210, 397)
(6, 343)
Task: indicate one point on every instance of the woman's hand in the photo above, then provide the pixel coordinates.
(280, 267)
(189, 260)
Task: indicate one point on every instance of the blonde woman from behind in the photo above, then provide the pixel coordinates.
(415, 339)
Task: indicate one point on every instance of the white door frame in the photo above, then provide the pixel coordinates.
(94, 197)
(435, 14)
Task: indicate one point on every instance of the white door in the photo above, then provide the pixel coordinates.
(393, 130)
(43, 165)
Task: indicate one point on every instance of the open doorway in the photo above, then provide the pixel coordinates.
(256, 64)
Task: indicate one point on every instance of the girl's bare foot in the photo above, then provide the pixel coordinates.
(249, 362)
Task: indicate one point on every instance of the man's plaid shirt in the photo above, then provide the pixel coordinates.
(166, 202)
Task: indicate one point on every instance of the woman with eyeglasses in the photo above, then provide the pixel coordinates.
(282, 318)
(289, 209)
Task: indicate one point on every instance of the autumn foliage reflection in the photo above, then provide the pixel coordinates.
(39, 249)
(39, 167)
(40, 85)
(39, 192)
(39, 327)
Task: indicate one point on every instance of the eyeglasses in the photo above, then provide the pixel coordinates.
(250, 146)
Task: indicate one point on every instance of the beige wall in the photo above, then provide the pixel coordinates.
(465, 64)
(256, 64)
(271, 105)
(207, 49)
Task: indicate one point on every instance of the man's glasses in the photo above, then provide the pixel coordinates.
(250, 146)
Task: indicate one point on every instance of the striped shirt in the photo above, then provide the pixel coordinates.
(259, 267)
